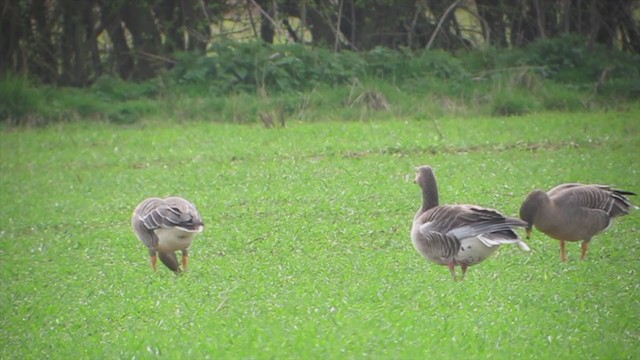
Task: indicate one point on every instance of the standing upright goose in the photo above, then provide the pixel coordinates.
(574, 212)
(458, 235)
(166, 226)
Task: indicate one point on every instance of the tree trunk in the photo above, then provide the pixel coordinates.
(42, 59)
(112, 21)
(8, 38)
(170, 21)
(318, 17)
(267, 14)
(610, 17)
(493, 26)
(370, 24)
(91, 21)
(523, 19)
(146, 39)
(197, 24)
(13, 30)
(630, 32)
(76, 42)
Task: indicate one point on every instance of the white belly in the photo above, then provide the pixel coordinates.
(173, 239)
(473, 251)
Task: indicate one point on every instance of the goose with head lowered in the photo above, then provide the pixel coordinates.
(165, 226)
(574, 212)
(458, 235)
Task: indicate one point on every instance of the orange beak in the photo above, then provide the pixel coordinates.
(528, 231)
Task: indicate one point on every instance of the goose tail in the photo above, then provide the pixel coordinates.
(523, 245)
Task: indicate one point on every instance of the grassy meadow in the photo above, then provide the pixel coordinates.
(306, 252)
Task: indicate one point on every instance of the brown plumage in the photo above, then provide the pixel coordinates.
(458, 235)
(165, 226)
(574, 212)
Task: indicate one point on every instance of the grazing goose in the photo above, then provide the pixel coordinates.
(462, 235)
(573, 212)
(166, 226)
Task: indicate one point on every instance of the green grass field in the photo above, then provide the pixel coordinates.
(306, 251)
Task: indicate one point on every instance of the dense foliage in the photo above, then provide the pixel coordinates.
(74, 43)
(293, 81)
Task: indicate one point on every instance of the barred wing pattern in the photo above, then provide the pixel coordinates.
(589, 209)
(156, 213)
(444, 227)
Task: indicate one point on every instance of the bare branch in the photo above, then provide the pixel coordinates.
(274, 23)
(337, 42)
(157, 57)
(444, 16)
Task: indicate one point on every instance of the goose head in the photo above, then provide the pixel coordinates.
(531, 207)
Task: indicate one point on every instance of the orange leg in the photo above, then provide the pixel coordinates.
(563, 251)
(585, 247)
(452, 268)
(185, 262)
(154, 261)
(464, 270)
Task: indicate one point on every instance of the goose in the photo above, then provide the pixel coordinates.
(165, 226)
(458, 235)
(574, 212)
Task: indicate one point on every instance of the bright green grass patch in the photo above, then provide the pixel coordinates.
(306, 253)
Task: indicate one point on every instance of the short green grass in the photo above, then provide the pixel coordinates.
(306, 251)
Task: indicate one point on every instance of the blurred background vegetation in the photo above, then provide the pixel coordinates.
(275, 61)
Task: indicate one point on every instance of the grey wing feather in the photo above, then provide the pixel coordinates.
(598, 197)
(146, 236)
(165, 217)
(456, 222)
(443, 227)
(471, 218)
(156, 213)
(441, 245)
(184, 214)
(621, 205)
(487, 227)
(617, 203)
(445, 218)
(562, 187)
